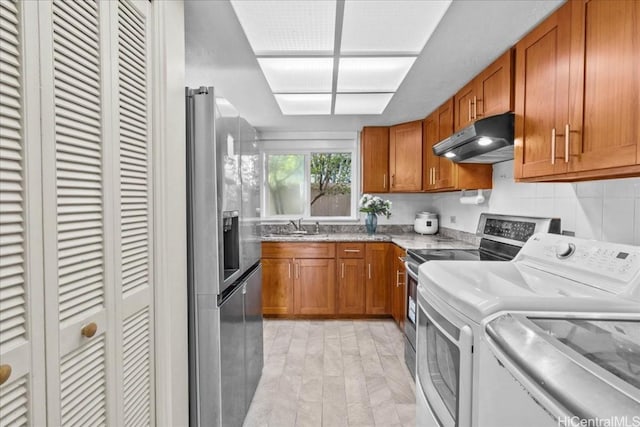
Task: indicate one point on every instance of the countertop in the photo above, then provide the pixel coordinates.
(405, 241)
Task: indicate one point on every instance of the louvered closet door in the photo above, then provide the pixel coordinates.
(21, 338)
(134, 281)
(77, 238)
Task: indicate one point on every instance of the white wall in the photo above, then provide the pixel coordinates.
(605, 210)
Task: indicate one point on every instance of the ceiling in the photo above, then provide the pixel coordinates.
(470, 36)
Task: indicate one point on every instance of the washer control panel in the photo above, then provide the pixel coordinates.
(608, 266)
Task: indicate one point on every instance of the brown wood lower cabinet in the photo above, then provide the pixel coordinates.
(314, 286)
(351, 286)
(316, 283)
(277, 286)
(378, 295)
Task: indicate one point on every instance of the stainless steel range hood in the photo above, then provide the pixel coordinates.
(488, 140)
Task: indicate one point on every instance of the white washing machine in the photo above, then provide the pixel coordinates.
(462, 373)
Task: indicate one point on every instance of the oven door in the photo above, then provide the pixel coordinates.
(444, 363)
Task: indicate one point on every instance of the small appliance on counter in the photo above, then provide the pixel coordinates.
(426, 223)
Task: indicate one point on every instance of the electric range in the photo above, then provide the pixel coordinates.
(502, 237)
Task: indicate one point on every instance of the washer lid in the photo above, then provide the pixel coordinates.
(478, 289)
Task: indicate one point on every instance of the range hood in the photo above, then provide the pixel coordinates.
(488, 140)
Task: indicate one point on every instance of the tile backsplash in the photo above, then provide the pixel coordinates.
(604, 210)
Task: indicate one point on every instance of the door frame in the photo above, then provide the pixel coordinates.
(170, 237)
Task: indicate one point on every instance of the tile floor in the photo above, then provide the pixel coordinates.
(333, 373)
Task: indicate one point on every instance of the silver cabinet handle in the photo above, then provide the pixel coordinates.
(398, 273)
(553, 146)
(475, 108)
(343, 270)
(289, 270)
(567, 131)
(369, 270)
(384, 181)
(469, 109)
(352, 250)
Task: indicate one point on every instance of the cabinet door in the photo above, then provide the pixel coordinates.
(133, 211)
(277, 286)
(445, 177)
(430, 161)
(604, 125)
(22, 349)
(314, 287)
(495, 88)
(541, 84)
(405, 157)
(375, 159)
(463, 101)
(378, 289)
(351, 286)
(78, 176)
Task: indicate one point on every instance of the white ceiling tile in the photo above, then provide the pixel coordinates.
(362, 103)
(287, 25)
(372, 74)
(298, 74)
(382, 26)
(304, 103)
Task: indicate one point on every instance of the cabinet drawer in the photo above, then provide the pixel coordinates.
(298, 250)
(350, 250)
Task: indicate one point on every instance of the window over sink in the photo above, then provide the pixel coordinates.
(313, 184)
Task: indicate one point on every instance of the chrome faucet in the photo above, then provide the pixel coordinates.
(297, 225)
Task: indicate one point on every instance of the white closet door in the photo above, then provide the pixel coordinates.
(134, 289)
(75, 83)
(21, 338)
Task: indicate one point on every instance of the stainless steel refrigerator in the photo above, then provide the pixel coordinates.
(225, 275)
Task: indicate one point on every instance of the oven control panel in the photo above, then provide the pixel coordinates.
(608, 266)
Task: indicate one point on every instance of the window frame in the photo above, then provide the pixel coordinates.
(346, 146)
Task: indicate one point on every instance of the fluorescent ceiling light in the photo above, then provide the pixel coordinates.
(298, 74)
(304, 103)
(400, 26)
(372, 74)
(287, 26)
(362, 103)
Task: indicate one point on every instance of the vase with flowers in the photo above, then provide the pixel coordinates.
(374, 206)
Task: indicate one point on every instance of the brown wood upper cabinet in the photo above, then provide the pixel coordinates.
(577, 91)
(490, 93)
(374, 145)
(405, 157)
(440, 174)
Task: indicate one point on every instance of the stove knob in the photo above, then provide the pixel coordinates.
(565, 250)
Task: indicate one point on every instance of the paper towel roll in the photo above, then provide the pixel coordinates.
(472, 200)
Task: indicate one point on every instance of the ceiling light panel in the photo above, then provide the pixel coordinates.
(289, 26)
(362, 103)
(298, 74)
(372, 74)
(382, 26)
(304, 103)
